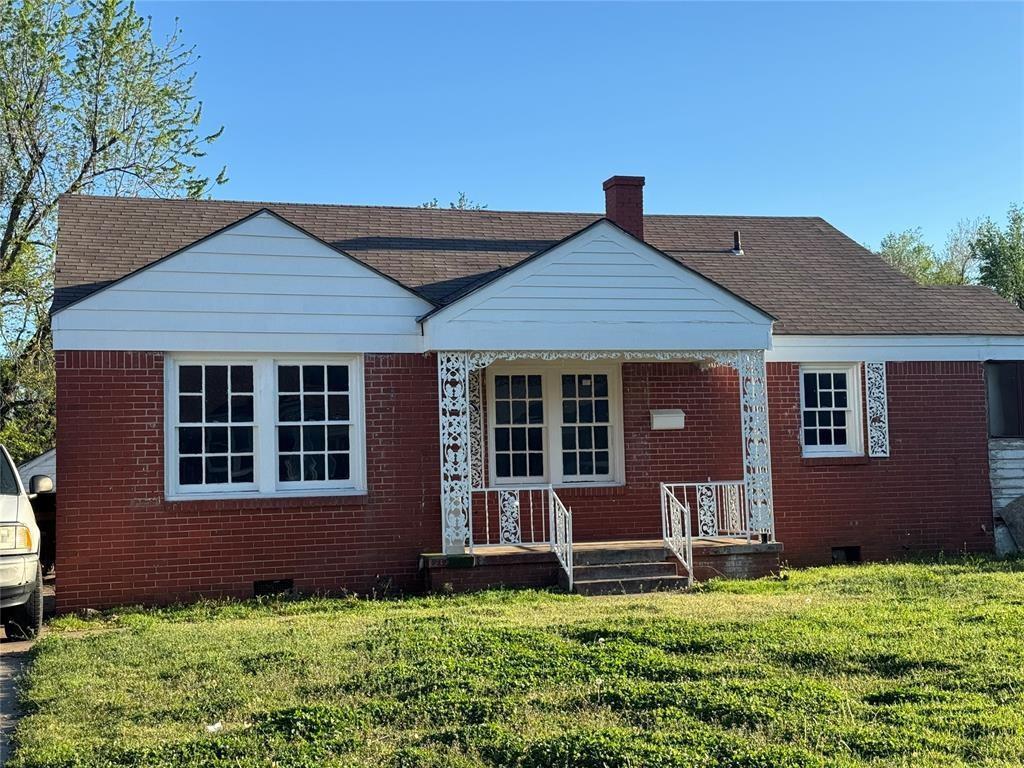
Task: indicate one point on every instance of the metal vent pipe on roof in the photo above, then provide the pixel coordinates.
(737, 243)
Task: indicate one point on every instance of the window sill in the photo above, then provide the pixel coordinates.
(602, 484)
(312, 493)
(838, 460)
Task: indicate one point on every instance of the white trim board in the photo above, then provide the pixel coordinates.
(810, 349)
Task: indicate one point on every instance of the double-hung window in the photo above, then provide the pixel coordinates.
(557, 423)
(831, 422)
(264, 426)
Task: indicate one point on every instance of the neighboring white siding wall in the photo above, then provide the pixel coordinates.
(259, 286)
(44, 464)
(600, 290)
(1006, 469)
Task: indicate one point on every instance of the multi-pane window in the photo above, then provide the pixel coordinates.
(313, 423)
(264, 426)
(554, 424)
(215, 425)
(830, 410)
(586, 425)
(519, 426)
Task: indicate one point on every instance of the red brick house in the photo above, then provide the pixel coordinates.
(254, 396)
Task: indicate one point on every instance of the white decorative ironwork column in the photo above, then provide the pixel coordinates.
(757, 460)
(878, 409)
(453, 395)
(476, 426)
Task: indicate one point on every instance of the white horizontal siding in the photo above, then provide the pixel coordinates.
(600, 290)
(261, 285)
(1006, 470)
(809, 349)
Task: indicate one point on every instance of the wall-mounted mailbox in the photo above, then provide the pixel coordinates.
(668, 418)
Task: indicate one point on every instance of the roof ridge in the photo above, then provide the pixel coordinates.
(447, 211)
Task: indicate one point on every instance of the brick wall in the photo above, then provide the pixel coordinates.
(932, 493)
(120, 542)
(709, 446)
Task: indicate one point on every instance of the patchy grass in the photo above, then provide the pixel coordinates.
(895, 665)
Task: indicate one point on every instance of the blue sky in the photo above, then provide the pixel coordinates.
(876, 116)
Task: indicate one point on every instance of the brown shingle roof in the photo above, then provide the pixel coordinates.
(802, 270)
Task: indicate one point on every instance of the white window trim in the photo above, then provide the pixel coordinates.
(855, 411)
(552, 390)
(265, 429)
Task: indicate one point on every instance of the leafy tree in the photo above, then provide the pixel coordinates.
(1001, 255)
(90, 103)
(462, 204)
(954, 265)
(909, 253)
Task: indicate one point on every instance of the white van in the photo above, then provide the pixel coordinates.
(21, 578)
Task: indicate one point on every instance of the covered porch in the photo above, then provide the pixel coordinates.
(603, 471)
(600, 391)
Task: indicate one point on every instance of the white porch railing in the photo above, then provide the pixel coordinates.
(517, 515)
(561, 534)
(720, 507)
(675, 526)
(532, 514)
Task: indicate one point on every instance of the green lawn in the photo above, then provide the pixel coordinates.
(918, 665)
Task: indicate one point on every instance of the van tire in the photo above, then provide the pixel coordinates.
(26, 620)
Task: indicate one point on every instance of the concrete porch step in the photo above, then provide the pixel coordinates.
(616, 555)
(623, 571)
(631, 586)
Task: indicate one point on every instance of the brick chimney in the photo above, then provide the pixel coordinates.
(624, 203)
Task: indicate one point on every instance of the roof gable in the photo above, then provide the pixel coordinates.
(261, 283)
(599, 289)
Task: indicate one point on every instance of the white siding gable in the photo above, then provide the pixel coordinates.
(260, 285)
(600, 290)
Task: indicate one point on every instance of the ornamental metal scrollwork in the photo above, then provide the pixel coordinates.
(477, 360)
(677, 532)
(452, 381)
(731, 515)
(508, 518)
(462, 425)
(476, 429)
(757, 462)
(878, 409)
(707, 511)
